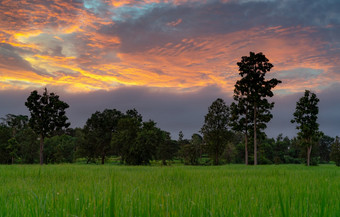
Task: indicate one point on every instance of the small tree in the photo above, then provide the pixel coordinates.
(136, 141)
(250, 94)
(306, 115)
(215, 129)
(98, 132)
(325, 146)
(192, 151)
(47, 115)
(167, 148)
(335, 152)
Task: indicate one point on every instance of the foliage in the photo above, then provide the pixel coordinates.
(167, 148)
(325, 146)
(250, 94)
(192, 150)
(215, 129)
(281, 149)
(47, 115)
(124, 141)
(139, 142)
(98, 132)
(15, 122)
(29, 146)
(5, 135)
(229, 153)
(13, 149)
(306, 115)
(335, 151)
(60, 149)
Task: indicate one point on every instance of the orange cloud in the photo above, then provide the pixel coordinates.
(63, 44)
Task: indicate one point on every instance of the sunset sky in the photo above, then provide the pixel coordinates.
(169, 59)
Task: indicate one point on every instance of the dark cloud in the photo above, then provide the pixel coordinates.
(152, 29)
(11, 60)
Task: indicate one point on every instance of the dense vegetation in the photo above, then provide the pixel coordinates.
(133, 141)
(231, 190)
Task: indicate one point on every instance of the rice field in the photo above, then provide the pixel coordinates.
(108, 190)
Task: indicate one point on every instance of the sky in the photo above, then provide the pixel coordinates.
(169, 59)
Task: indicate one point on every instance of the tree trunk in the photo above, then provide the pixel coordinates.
(216, 158)
(246, 149)
(163, 162)
(12, 160)
(246, 141)
(103, 159)
(309, 150)
(41, 149)
(255, 137)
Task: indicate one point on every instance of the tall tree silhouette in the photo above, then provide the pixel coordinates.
(47, 115)
(306, 115)
(250, 95)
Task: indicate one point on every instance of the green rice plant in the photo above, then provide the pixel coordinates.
(110, 190)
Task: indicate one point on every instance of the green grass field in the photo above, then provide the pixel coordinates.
(232, 190)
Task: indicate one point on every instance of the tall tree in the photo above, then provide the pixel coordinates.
(47, 115)
(306, 115)
(215, 129)
(98, 132)
(250, 94)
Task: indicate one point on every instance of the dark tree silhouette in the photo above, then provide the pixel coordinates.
(47, 115)
(335, 151)
(306, 115)
(215, 129)
(98, 132)
(250, 94)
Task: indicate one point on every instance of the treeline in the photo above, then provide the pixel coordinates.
(230, 134)
(126, 138)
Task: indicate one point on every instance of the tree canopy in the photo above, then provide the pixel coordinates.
(250, 95)
(215, 129)
(98, 132)
(305, 116)
(47, 115)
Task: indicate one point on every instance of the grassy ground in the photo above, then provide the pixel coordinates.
(232, 190)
